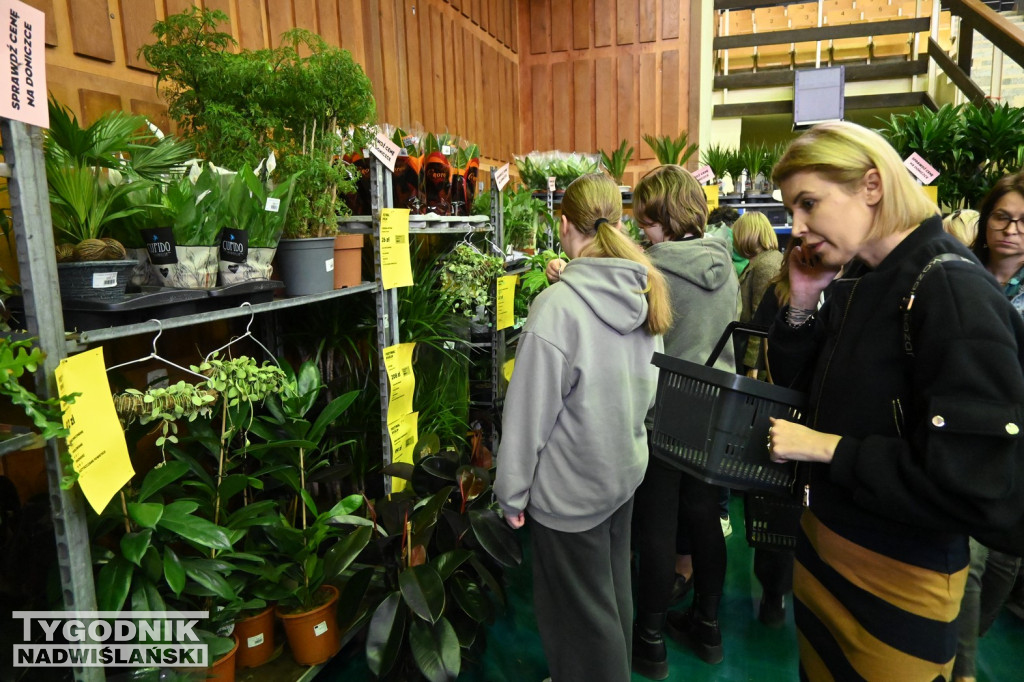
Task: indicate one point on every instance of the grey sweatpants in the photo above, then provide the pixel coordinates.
(583, 601)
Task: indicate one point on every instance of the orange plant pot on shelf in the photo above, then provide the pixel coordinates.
(313, 636)
(255, 639)
(223, 669)
(348, 260)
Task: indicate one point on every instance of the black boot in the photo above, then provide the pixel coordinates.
(697, 628)
(773, 610)
(649, 656)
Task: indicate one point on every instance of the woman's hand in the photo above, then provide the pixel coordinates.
(792, 442)
(516, 521)
(808, 277)
(554, 268)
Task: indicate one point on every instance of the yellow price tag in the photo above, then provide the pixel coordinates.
(711, 193)
(507, 368)
(933, 193)
(506, 294)
(398, 363)
(404, 434)
(97, 445)
(395, 264)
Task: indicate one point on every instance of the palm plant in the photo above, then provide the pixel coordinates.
(616, 163)
(717, 158)
(669, 150)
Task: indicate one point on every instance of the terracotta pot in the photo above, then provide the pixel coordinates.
(348, 260)
(255, 636)
(313, 636)
(223, 669)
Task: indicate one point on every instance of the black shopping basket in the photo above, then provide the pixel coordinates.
(714, 424)
(773, 521)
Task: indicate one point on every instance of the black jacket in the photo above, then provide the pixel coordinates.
(931, 444)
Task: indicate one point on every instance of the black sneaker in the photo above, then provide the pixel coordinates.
(773, 610)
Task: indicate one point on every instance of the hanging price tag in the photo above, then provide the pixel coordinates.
(501, 177)
(704, 175)
(921, 169)
(404, 432)
(395, 264)
(401, 380)
(711, 194)
(385, 150)
(505, 316)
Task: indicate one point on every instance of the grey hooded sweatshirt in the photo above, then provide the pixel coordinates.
(704, 290)
(574, 446)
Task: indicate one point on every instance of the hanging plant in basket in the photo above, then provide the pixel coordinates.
(467, 275)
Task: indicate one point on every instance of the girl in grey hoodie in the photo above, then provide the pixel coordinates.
(574, 445)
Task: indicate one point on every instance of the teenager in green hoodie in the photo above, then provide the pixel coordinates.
(574, 447)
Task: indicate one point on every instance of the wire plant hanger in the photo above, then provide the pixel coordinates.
(154, 355)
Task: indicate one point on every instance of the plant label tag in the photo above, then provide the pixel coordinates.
(104, 280)
(449, 345)
(254, 641)
(160, 245)
(501, 177)
(385, 150)
(273, 205)
(329, 264)
(921, 169)
(234, 245)
(446, 150)
(320, 628)
(551, 184)
(703, 175)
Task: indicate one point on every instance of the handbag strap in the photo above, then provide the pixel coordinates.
(908, 301)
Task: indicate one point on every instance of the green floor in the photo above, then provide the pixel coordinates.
(752, 651)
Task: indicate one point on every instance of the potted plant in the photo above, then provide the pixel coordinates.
(669, 150)
(92, 174)
(616, 163)
(467, 278)
(252, 217)
(716, 157)
(523, 216)
(292, 100)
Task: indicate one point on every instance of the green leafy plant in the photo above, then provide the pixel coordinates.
(245, 207)
(239, 106)
(523, 217)
(717, 158)
(616, 163)
(442, 547)
(467, 278)
(669, 150)
(536, 167)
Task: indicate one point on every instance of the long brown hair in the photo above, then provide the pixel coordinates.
(593, 204)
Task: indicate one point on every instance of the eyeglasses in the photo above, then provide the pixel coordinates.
(1000, 221)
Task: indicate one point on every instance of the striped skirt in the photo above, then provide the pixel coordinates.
(887, 613)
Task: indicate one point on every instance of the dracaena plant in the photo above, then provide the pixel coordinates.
(671, 150)
(616, 162)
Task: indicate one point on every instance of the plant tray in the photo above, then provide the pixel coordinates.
(714, 424)
(772, 521)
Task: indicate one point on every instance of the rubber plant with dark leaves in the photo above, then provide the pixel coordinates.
(442, 547)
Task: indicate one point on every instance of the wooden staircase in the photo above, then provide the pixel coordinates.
(1013, 73)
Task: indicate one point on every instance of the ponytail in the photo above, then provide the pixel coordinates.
(594, 205)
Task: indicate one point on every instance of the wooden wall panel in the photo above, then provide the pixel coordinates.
(648, 21)
(540, 34)
(137, 19)
(172, 6)
(436, 93)
(631, 67)
(542, 112)
(412, 56)
(46, 7)
(583, 105)
(91, 34)
(606, 104)
(561, 21)
(251, 35)
(155, 112)
(327, 21)
(390, 97)
(279, 20)
(95, 103)
(305, 14)
(582, 15)
(604, 22)
(223, 5)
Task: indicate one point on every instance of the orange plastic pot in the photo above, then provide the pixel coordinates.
(313, 636)
(348, 260)
(255, 639)
(223, 669)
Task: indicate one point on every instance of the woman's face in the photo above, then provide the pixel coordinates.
(833, 223)
(1008, 242)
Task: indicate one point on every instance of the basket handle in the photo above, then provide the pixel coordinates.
(730, 330)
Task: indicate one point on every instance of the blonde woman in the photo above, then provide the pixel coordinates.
(909, 449)
(574, 447)
(754, 238)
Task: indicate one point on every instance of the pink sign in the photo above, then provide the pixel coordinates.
(920, 168)
(23, 79)
(704, 175)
